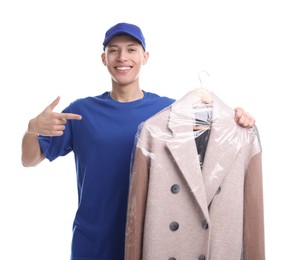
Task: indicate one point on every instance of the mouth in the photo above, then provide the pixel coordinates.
(126, 68)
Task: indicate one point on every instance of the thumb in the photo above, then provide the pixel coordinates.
(54, 103)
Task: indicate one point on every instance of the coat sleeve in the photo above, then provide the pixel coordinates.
(136, 205)
(254, 246)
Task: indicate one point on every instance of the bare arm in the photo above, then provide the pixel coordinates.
(47, 123)
(31, 152)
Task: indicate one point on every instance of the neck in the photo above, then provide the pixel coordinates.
(123, 96)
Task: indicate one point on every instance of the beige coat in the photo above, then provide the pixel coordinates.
(177, 211)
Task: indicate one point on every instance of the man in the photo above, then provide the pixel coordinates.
(100, 130)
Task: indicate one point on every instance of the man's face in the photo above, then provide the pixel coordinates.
(124, 57)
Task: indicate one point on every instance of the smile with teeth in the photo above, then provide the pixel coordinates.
(123, 68)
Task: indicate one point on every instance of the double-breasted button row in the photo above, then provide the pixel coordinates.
(174, 225)
(176, 188)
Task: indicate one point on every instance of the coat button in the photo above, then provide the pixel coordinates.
(174, 226)
(204, 224)
(175, 188)
(218, 191)
(201, 257)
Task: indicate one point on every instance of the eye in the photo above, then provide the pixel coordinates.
(112, 50)
(132, 49)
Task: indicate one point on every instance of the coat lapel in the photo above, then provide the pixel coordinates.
(221, 148)
(183, 148)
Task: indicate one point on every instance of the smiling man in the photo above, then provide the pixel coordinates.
(100, 131)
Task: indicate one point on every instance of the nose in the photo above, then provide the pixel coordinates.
(122, 56)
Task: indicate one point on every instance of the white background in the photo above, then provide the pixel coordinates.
(51, 48)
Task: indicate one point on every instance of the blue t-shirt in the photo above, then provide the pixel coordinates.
(102, 143)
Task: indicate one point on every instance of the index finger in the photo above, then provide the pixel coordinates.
(70, 116)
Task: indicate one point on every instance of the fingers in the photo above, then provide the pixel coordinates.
(249, 121)
(49, 123)
(70, 116)
(58, 124)
(57, 130)
(63, 116)
(243, 118)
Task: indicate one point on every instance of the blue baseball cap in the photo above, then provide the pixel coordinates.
(125, 28)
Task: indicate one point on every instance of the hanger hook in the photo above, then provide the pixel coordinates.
(203, 71)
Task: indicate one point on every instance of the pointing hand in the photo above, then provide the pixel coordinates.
(49, 123)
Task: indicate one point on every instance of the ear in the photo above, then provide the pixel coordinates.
(146, 57)
(103, 57)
